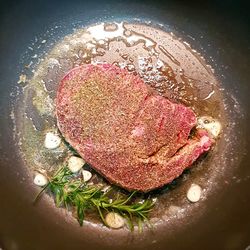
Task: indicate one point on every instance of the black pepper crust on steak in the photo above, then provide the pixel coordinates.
(133, 137)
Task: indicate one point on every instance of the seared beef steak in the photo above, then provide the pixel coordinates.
(132, 136)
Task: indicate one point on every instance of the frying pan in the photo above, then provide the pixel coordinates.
(220, 31)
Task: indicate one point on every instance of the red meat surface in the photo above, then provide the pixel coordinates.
(127, 132)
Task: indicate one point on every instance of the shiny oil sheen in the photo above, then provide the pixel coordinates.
(165, 62)
(222, 215)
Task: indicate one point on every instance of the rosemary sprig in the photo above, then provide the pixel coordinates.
(71, 192)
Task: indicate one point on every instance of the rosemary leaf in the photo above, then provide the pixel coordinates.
(71, 192)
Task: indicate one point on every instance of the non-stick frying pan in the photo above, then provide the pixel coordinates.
(221, 32)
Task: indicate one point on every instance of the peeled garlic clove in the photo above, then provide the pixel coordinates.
(212, 125)
(75, 164)
(114, 220)
(194, 193)
(86, 175)
(40, 180)
(52, 141)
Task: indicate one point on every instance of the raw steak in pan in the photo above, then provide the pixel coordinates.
(133, 137)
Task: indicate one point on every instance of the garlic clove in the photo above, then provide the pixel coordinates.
(75, 164)
(194, 193)
(87, 175)
(212, 125)
(40, 180)
(52, 141)
(114, 220)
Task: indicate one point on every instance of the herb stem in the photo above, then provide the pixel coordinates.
(74, 193)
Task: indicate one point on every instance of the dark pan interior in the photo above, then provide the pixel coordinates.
(224, 29)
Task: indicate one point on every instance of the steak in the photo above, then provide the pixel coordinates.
(133, 137)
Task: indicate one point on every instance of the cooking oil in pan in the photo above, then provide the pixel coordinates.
(166, 63)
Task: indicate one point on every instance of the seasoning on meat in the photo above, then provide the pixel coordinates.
(135, 138)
